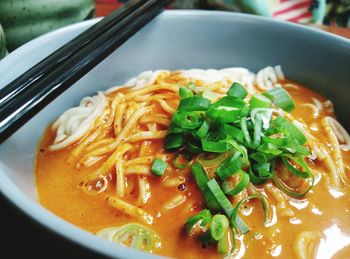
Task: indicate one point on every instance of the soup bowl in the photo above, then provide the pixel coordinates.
(173, 40)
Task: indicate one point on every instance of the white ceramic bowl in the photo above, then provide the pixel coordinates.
(175, 39)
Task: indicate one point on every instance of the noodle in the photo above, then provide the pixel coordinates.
(340, 133)
(175, 202)
(284, 210)
(144, 190)
(76, 122)
(113, 140)
(129, 209)
(336, 148)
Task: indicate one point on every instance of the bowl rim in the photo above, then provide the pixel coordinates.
(60, 226)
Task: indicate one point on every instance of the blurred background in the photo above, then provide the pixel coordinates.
(21, 21)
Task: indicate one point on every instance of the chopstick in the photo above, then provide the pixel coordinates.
(30, 100)
(49, 64)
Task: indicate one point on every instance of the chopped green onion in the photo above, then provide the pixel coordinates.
(210, 159)
(259, 101)
(133, 235)
(307, 174)
(203, 130)
(255, 179)
(293, 146)
(287, 190)
(218, 226)
(241, 149)
(173, 140)
(293, 130)
(220, 197)
(187, 120)
(230, 166)
(193, 88)
(242, 184)
(158, 167)
(215, 147)
(292, 169)
(194, 103)
(269, 150)
(201, 221)
(181, 165)
(232, 131)
(258, 157)
(201, 177)
(265, 206)
(299, 161)
(240, 226)
(265, 113)
(264, 170)
(193, 147)
(210, 95)
(237, 90)
(279, 142)
(226, 244)
(281, 98)
(245, 110)
(257, 130)
(173, 128)
(227, 109)
(185, 92)
(245, 131)
(231, 134)
(226, 204)
(223, 246)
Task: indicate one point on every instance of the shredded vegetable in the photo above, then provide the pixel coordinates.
(245, 143)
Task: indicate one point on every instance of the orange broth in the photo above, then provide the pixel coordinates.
(57, 187)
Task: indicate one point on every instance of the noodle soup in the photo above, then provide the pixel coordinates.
(203, 163)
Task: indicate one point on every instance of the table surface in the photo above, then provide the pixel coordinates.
(23, 237)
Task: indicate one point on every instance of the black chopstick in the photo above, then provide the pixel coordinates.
(49, 64)
(19, 110)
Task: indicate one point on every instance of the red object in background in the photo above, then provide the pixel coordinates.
(105, 7)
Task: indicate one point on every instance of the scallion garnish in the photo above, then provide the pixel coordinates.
(173, 140)
(281, 98)
(226, 244)
(211, 159)
(237, 90)
(230, 166)
(185, 92)
(158, 167)
(181, 161)
(199, 221)
(259, 101)
(203, 130)
(241, 141)
(257, 130)
(194, 103)
(220, 197)
(290, 128)
(245, 131)
(241, 185)
(227, 109)
(218, 226)
(202, 179)
(215, 147)
(232, 131)
(265, 206)
(187, 120)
